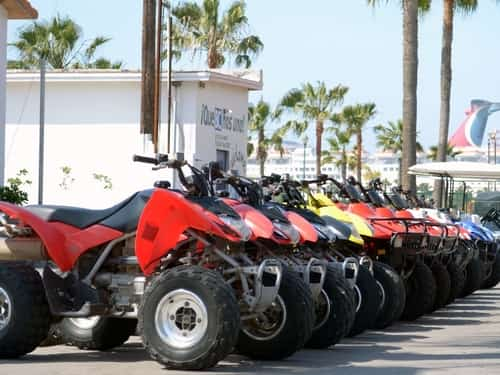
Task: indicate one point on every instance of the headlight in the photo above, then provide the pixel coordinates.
(354, 231)
(325, 231)
(288, 230)
(337, 233)
(464, 236)
(371, 227)
(238, 226)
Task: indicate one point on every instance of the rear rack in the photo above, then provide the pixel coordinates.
(421, 242)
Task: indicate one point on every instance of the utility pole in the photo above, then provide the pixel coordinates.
(41, 134)
(148, 82)
(157, 83)
(306, 139)
(169, 80)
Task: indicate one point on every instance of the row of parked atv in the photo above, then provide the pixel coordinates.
(263, 268)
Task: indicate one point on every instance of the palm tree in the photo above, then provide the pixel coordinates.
(218, 34)
(451, 153)
(369, 174)
(410, 9)
(338, 146)
(449, 8)
(355, 117)
(390, 138)
(58, 41)
(310, 103)
(258, 119)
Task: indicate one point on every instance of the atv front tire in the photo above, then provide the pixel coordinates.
(189, 318)
(420, 292)
(369, 303)
(286, 325)
(334, 312)
(443, 286)
(24, 312)
(457, 281)
(473, 277)
(394, 294)
(494, 278)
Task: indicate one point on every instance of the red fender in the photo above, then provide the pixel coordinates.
(384, 212)
(64, 243)
(165, 217)
(260, 225)
(307, 231)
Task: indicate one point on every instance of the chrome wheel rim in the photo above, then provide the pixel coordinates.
(5, 308)
(268, 324)
(323, 307)
(181, 319)
(359, 297)
(85, 323)
(382, 295)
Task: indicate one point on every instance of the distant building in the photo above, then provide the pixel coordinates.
(295, 161)
(382, 162)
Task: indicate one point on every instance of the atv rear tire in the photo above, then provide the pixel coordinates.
(473, 277)
(24, 312)
(394, 294)
(443, 286)
(334, 312)
(420, 292)
(96, 333)
(494, 278)
(457, 281)
(369, 306)
(189, 318)
(292, 318)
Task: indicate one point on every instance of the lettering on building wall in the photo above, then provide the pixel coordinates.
(221, 119)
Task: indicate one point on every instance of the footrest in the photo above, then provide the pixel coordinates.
(70, 297)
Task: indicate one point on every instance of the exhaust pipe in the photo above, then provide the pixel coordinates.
(22, 248)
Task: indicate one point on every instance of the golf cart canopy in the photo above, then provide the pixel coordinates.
(458, 169)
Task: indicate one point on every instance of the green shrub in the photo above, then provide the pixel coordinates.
(12, 192)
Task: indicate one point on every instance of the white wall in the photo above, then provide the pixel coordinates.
(93, 127)
(3, 59)
(90, 127)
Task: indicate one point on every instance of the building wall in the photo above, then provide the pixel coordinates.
(93, 128)
(3, 60)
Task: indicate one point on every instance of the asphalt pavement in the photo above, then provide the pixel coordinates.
(463, 338)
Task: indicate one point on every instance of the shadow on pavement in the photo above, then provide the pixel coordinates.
(359, 355)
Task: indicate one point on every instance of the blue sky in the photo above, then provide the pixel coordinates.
(338, 41)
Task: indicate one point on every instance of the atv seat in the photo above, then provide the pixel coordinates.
(123, 216)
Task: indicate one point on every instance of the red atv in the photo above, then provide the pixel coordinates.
(399, 242)
(156, 257)
(282, 322)
(441, 245)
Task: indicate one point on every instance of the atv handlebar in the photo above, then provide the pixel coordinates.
(158, 159)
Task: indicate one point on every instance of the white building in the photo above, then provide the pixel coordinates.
(92, 128)
(296, 161)
(9, 10)
(302, 165)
